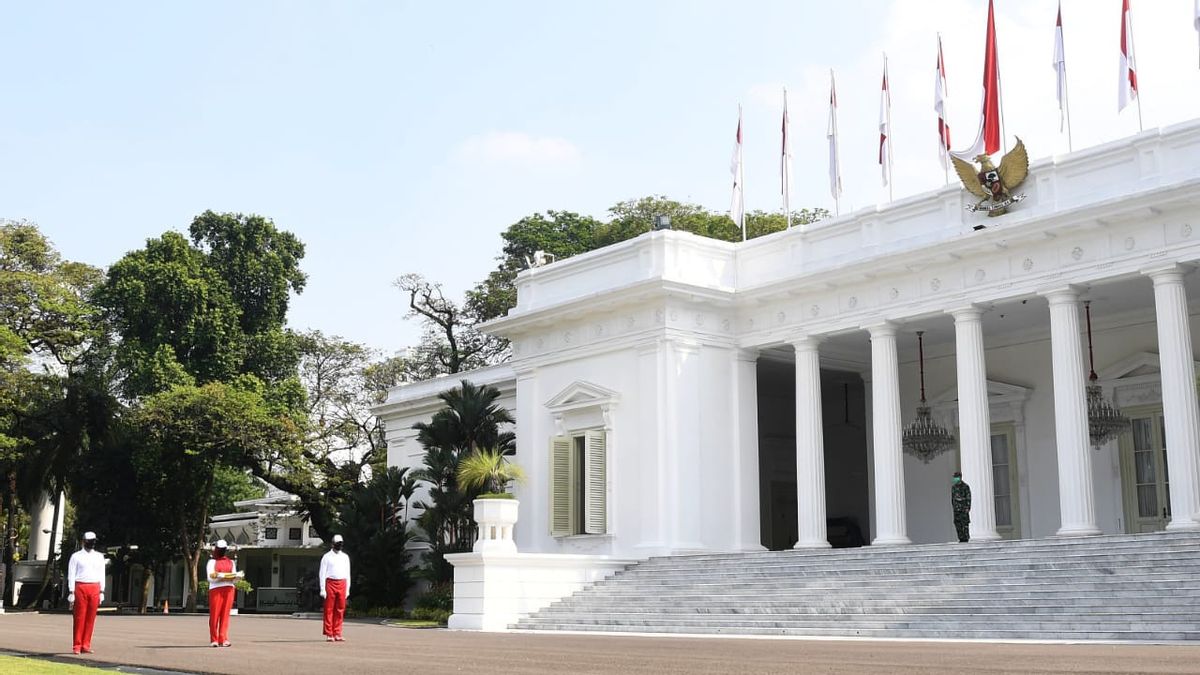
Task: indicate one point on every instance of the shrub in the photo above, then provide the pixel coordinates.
(440, 597)
(425, 614)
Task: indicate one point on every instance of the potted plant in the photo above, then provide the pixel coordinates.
(496, 508)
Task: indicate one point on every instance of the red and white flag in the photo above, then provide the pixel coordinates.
(988, 139)
(885, 131)
(939, 106)
(737, 208)
(831, 134)
(1060, 70)
(1127, 85)
(785, 166)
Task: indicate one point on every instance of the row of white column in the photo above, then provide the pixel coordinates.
(1076, 493)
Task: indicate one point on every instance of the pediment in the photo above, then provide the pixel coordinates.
(998, 392)
(581, 394)
(1134, 365)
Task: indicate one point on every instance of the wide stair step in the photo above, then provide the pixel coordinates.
(1125, 587)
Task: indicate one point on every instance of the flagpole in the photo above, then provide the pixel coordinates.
(785, 170)
(943, 148)
(1132, 59)
(888, 93)
(1067, 108)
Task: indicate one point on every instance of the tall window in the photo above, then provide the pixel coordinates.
(579, 484)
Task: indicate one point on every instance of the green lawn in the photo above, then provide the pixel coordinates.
(414, 623)
(24, 666)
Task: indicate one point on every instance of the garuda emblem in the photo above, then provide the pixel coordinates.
(994, 185)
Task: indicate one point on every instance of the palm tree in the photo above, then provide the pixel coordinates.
(489, 470)
(469, 421)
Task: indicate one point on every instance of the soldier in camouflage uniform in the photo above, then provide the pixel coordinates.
(960, 500)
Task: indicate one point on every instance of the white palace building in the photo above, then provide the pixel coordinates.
(675, 394)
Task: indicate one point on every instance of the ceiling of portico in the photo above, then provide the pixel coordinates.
(1002, 321)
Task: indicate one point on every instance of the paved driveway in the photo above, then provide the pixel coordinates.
(264, 645)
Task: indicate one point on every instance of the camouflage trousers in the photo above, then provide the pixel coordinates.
(962, 523)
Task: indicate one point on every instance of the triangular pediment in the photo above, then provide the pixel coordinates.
(998, 392)
(581, 394)
(1134, 365)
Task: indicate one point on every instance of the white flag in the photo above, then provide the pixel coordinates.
(885, 132)
(939, 106)
(1127, 86)
(785, 166)
(835, 168)
(737, 208)
(1060, 70)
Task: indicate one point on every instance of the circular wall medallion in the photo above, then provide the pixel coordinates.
(699, 320)
(725, 324)
(659, 315)
(629, 321)
(852, 302)
(674, 315)
(750, 323)
(980, 274)
(815, 310)
(1027, 264)
(936, 284)
(894, 293)
(1186, 230)
(1077, 253)
(598, 330)
(541, 342)
(1129, 243)
(781, 317)
(567, 337)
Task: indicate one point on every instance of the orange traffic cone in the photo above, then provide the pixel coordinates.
(166, 607)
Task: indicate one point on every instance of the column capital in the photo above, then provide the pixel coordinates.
(526, 373)
(970, 312)
(1060, 295)
(805, 342)
(1167, 273)
(747, 354)
(882, 329)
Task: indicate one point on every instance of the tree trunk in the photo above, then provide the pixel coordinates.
(147, 577)
(10, 537)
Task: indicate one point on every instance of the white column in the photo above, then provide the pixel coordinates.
(974, 422)
(890, 520)
(810, 447)
(1076, 498)
(1180, 414)
(747, 534)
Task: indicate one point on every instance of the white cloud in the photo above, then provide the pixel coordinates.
(515, 147)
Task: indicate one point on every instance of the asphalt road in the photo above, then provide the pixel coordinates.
(264, 645)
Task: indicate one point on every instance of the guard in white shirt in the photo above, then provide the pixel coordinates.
(335, 588)
(85, 585)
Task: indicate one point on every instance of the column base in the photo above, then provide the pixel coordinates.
(1078, 531)
(986, 536)
(1183, 525)
(892, 540)
(816, 543)
(750, 548)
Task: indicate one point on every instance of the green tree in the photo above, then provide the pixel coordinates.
(452, 342)
(374, 522)
(45, 315)
(190, 432)
(470, 420)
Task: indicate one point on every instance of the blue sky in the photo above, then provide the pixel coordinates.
(403, 137)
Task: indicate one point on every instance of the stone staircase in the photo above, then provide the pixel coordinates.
(1127, 587)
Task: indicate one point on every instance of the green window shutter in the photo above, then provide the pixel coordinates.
(560, 486)
(595, 483)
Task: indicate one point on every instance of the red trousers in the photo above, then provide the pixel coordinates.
(220, 601)
(87, 600)
(335, 606)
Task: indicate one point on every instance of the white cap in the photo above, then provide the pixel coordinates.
(221, 544)
(337, 538)
(89, 536)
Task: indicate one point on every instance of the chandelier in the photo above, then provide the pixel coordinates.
(1105, 420)
(924, 438)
